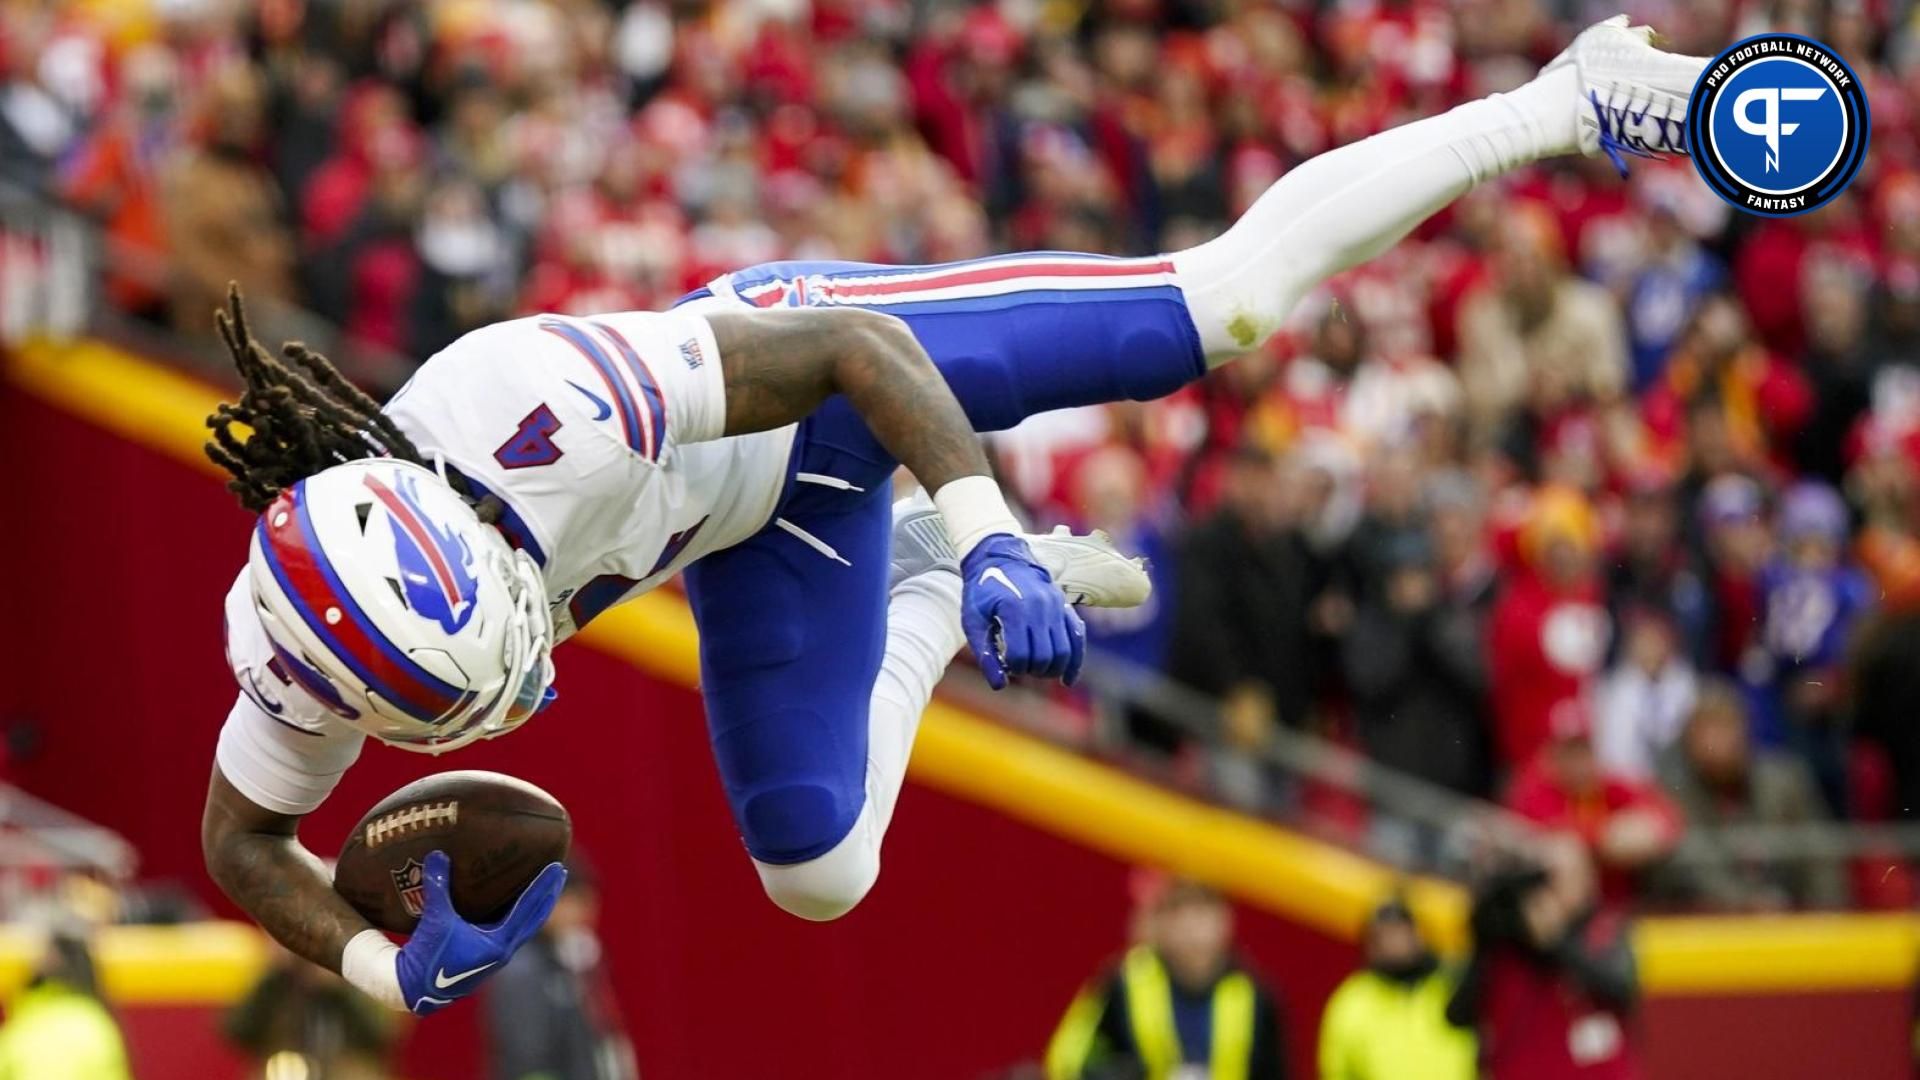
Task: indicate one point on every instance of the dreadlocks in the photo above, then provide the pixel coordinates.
(305, 417)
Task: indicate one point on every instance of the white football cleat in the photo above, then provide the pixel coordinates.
(1633, 95)
(1088, 568)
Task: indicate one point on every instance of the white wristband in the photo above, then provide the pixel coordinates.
(973, 510)
(370, 964)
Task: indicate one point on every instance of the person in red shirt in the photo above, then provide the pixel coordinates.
(116, 175)
(1550, 986)
(338, 190)
(1763, 399)
(1625, 824)
(1549, 628)
(1738, 545)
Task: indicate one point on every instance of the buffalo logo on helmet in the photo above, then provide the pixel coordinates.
(436, 563)
(410, 881)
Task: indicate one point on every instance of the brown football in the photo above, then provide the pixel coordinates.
(498, 833)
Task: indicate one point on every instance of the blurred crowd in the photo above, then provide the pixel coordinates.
(1594, 497)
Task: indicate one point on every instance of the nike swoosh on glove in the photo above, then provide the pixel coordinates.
(1016, 619)
(448, 957)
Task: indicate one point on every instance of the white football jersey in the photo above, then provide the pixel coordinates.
(602, 438)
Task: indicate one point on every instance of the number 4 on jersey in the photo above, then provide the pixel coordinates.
(532, 444)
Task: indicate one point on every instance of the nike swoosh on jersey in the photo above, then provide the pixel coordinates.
(599, 402)
(994, 573)
(441, 980)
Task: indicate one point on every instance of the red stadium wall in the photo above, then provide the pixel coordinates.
(956, 966)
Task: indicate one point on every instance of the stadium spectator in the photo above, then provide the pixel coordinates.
(1676, 275)
(1314, 390)
(1111, 493)
(1764, 401)
(1536, 337)
(1241, 596)
(1812, 598)
(1547, 633)
(1415, 665)
(1463, 554)
(376, 264)
(1737, 546)
(1550, 985)
(1883, 483)
(1840, 367)
(308, 91)
(1628, 826)
(1888, 682)
(461, 251)
(1393, 518)
(1389, 1019)
(300, 1013)
(1653, 572)
(551, 1013)
(58, 1028)
(1718, 778)
(372, 117)
(222, 211)
(38, 123)
(1769, 270)
(1385, 396)
(115, 176)
(1894, 338)
(1644, 701)
(1179, 1001)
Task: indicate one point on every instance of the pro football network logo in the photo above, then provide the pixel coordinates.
(1778, 124)
(410, 881)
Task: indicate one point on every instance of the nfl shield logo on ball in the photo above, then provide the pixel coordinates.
(410, 881)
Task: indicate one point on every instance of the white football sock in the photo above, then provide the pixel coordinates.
(1348, 205)
(923, 636)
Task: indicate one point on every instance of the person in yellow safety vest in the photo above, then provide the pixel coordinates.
(58, 1028)
(1177, 1006)
(1388, 1021)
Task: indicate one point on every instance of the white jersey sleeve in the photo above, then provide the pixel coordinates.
(680, 394)
(280, 747)
(566, 419)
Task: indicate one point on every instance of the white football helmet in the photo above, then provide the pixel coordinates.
(393, 605)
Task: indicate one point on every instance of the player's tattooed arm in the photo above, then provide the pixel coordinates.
(255, 857)
(779, 366)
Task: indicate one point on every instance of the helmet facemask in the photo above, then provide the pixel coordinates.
(527, 660)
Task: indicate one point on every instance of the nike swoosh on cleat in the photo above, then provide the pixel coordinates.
(599, 402)
(994, 573)
(441, 981)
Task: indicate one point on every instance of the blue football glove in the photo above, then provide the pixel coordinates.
(448, 957)
(1017, 620)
